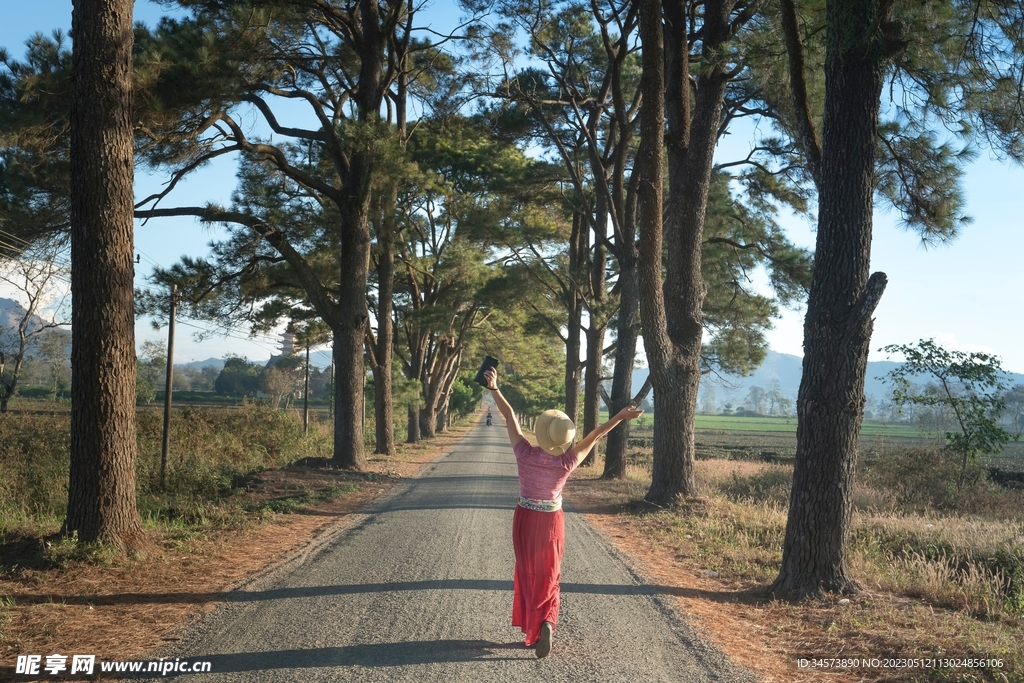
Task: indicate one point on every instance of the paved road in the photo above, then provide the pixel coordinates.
(418, 588)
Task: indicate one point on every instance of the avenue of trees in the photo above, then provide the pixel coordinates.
(544, 176)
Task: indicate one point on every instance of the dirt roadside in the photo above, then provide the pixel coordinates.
(744, 625)
(123, 610)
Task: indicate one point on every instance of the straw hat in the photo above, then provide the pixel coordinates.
(555, 432)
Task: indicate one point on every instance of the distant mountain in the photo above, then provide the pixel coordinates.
(208, 363)
(787, 369)
(11, 314)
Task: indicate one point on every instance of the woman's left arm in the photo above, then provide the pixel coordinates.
(584, 446)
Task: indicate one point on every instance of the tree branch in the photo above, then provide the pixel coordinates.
(318, 295)
(798, 87)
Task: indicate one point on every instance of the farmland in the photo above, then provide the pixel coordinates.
(773, 439)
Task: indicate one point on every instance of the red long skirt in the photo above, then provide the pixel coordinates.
(538, 539)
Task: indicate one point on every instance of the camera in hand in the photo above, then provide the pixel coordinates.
(488, 363)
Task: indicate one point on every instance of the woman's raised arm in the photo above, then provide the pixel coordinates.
(515, 434)
(583, 447)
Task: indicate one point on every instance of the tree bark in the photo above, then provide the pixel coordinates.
(349, 330)
(383, 404)
(651, 198)
(595, 337)
(625, 355)
(838, 325)
(671, 311)
(101, 490)
(354, 261)
(573, 367)
(412, 430)
(574, 326)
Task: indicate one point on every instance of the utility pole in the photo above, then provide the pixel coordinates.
(167, 389)
(305, 397)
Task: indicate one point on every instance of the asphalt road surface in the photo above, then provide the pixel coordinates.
(419, 588)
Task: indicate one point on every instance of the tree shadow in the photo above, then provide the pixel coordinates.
(297, 592)
(370, 655)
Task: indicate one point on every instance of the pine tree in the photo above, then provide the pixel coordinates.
(101, 492)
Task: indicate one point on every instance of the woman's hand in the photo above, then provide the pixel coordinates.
(491, 377)
(628, 413)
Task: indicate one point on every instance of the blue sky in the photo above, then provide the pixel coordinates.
(966, 295)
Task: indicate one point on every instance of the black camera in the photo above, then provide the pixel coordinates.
(488, 363)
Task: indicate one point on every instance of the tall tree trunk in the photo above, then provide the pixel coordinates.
(625, 354)
(650, 168)
(573, 367)
(592, 376)
(383, 367)
(838, 325)
(383, 404)
(101, 490)
(412, 430)
(413, 370)
(671, 313)
(354, 262)
(596, 330)
(574, 326)
(451, 373)
(442, 369)
(428, 423)
(350, 336)
(431, 397)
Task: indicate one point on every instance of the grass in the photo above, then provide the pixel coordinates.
(788, 424)
(234, 485)
(212, 449)
(942, 569)
(781, 424)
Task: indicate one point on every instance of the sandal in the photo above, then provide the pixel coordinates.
(544, 642)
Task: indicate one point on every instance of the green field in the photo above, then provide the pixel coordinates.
(728, 423)
(774, 439)
(788, 424)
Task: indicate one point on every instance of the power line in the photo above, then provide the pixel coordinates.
(251, 340)
(148, 259)
(15, 238)
(19, 252)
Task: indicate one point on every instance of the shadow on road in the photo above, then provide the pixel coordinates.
(350, 589)
(370, 655)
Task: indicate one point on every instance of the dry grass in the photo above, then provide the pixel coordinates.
(122, 608)
(933, 587)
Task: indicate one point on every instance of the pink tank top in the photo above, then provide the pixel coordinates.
(542, 476)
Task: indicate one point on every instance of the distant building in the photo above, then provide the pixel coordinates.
(287, 343)
(288, 352)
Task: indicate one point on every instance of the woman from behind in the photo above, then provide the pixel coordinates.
(538, 525)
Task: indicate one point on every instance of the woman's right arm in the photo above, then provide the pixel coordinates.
(515, 434)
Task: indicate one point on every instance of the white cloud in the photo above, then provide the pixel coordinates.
(948, 341)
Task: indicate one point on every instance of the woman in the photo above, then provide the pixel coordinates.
(538, 526)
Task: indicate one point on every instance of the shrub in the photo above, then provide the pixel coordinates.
(962, 562)
(922, 478)
(771, 484)
(34, 462)
(210, 449)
